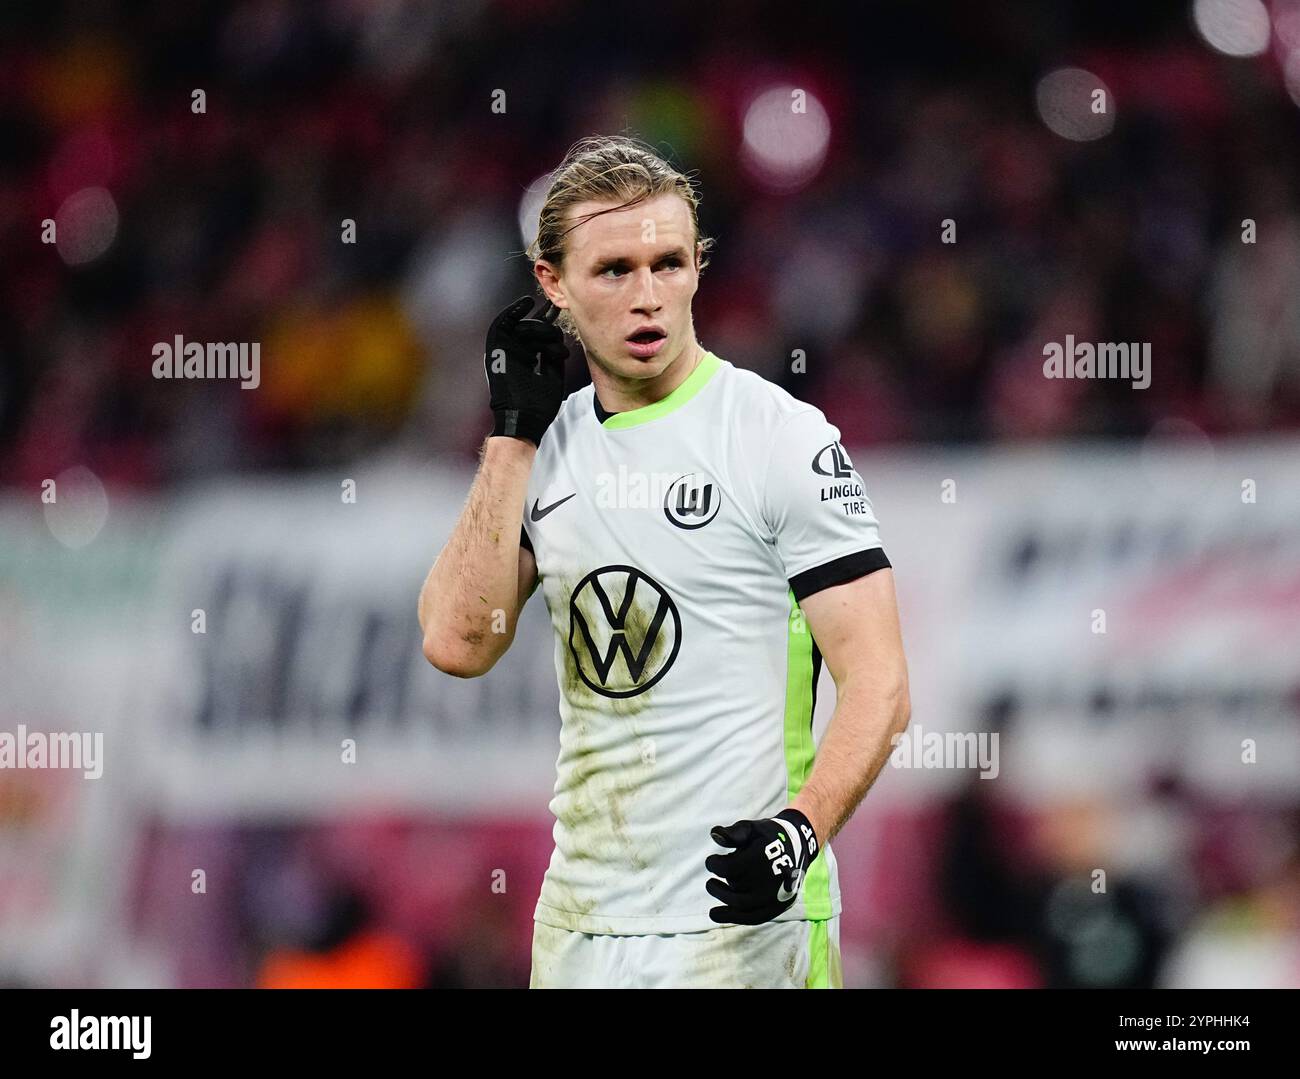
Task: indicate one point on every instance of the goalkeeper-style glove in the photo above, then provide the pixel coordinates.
(524, 363)
(764, 873)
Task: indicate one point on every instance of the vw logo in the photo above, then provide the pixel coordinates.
(624, 630)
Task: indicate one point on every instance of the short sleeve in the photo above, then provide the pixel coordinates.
(816, 506)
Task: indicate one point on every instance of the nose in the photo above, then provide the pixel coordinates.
(646, 298)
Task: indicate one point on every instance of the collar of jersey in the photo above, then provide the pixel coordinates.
(693, 383)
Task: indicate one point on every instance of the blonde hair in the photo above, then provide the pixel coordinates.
(607, 168)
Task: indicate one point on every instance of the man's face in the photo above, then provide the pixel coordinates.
(626, 271)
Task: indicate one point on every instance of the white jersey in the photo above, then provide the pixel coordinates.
(673, 543)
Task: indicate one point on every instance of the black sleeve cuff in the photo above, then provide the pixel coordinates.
(848, 568)
(524, 541)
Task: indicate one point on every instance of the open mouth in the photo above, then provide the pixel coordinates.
(646, 337)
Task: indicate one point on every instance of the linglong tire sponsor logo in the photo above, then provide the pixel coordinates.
(645, 630)
(833, 461)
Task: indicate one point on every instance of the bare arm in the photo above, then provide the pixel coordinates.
(856, 628)
(470, 602)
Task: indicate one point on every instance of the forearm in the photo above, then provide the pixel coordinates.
(869, 711)
(476, 574)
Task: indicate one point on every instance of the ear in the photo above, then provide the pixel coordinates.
(549, 278)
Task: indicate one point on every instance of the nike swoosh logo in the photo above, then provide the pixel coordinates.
(784, 894)
(539, 514)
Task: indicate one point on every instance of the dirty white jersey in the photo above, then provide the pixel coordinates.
(673, 543)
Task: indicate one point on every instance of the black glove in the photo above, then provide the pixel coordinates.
(765, 871)
(524, 363)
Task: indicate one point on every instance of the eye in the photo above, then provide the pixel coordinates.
(674, 262)
(612, 270)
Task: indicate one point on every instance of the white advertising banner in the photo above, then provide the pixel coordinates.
(1117, 616)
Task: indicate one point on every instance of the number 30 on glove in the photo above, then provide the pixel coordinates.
(763, 874)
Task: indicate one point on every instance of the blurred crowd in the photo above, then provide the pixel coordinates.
(202, 163)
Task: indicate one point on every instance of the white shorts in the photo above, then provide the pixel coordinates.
(774, 955)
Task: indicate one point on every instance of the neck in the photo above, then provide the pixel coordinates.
(617, 394)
